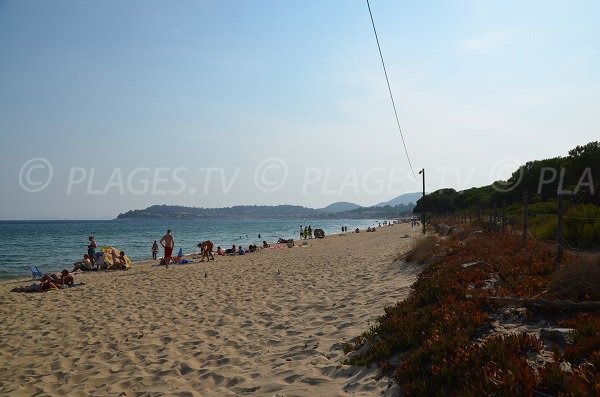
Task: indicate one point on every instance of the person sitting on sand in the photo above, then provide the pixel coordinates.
(122, 261)
(231, 251)
(45, 284)
(84, 265)
(65, 278)
(241, 251)
(220, 251)
(265, 244)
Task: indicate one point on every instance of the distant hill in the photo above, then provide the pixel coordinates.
(267, 212)
(236, 212)
(386, 212)
(340, 206)
(402, 199)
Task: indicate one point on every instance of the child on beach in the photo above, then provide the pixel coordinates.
(154, 250)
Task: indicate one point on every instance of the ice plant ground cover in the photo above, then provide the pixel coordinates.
(443, 339)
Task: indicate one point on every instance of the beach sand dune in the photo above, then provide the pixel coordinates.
(265, 324)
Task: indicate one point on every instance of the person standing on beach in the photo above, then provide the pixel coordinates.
(154, 250)
(168, 244)
(309, 231)
(301, 232)
(92, 248)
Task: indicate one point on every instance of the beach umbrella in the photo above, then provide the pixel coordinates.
(107, 250)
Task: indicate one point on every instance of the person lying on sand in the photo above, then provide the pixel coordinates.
(45, 284)
(62, 278)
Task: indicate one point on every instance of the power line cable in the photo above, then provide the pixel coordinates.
(390, 90)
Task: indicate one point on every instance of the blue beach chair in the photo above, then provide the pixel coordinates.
(36, 274)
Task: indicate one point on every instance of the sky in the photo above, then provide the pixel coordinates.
(107, 106)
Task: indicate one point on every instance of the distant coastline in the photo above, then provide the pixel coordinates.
(267, 212)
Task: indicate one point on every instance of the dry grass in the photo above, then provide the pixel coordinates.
(422, 250)
(578, 279)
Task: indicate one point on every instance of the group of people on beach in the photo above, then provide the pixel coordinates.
(96, 260)
(206, 248)
(239, 250)
(306, 232)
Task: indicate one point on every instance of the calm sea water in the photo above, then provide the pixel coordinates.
(54, 245)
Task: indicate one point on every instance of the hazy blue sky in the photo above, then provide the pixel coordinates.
(219, 103)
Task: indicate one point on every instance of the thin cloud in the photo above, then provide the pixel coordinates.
(475, 44)
(484, 41)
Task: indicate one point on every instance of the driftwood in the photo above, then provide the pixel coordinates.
(543, 305)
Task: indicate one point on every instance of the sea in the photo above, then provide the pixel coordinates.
(56, 245)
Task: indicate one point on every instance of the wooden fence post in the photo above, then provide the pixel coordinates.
(503, 217)
(525, 231)
(559, 231)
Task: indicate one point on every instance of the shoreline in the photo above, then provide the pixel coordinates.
(135, 239)
(268, 322)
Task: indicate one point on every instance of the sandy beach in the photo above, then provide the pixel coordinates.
(270, 323)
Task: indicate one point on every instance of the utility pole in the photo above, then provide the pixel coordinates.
(423, 206)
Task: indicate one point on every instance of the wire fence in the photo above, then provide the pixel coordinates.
(566, 223)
